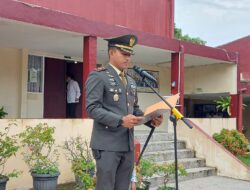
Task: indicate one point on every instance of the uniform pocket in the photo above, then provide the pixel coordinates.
(96, 154)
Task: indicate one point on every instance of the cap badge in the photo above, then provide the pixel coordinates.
(131, 41)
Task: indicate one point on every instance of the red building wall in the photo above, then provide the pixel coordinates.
(153, 16)
(241, 46)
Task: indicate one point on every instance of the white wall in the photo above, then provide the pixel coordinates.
(64, 129)
(10, 76)
(216, 78)
(35, 105)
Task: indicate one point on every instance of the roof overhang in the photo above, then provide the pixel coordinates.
(45, 30)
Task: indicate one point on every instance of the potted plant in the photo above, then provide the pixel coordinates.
(144, 171)
(82, 163)
(41, 156)
(166, 170)
(8, 148)
(2, 113)
(224, 103)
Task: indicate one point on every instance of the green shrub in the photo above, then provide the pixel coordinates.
(144, 171)
(82, 163)
(39, 150)
(2, 113)
(248, 147)
(166, 170)
(233, 141)
(8, 148)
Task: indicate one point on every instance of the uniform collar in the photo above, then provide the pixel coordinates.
(116, 69)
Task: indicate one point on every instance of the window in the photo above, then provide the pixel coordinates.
(35, 74)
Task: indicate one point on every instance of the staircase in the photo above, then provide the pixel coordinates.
(161, 149)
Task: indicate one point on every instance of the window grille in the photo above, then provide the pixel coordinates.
(35, 74)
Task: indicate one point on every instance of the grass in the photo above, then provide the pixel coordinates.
(245, 159)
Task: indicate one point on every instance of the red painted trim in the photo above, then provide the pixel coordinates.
(18, 11)
(174, 72)
(137, 150)
(59, 20)
(234, 105)
(219, 145)
(177, 69)
(89, 64)
(236, 109)
(240, 114)
(209, 52)
(142, 15)
(171, 23)
(241, 46)
(182, 62)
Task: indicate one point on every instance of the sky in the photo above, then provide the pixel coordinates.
(215, 21)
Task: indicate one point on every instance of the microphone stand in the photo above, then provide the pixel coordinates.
(176, 115)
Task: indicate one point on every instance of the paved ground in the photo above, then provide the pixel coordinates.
(213, 183)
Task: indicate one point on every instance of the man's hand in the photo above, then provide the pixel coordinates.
(157, 121)
(129, 121)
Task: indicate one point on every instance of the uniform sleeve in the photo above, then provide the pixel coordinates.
(94, 102)
(137, 110)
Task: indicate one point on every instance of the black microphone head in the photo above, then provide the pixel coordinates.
(144, 74)
(137, 69)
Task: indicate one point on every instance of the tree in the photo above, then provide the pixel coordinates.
(178, 35)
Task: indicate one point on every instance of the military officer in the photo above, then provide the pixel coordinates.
(111, 100)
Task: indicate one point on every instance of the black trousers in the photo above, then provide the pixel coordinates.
(114, 169)
(71, 110)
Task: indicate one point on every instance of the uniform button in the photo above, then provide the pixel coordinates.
(127, 93)
(106, 127)
(128, 104)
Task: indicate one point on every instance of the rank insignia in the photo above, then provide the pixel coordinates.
(98, 69)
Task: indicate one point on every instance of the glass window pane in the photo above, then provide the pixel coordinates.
(35, 73)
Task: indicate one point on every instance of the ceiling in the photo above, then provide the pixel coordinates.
(36, 38)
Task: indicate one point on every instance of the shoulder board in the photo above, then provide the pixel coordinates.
(98, 69)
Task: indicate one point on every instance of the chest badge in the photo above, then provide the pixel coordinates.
(116, 97)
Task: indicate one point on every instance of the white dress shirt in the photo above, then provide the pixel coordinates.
(73, 92)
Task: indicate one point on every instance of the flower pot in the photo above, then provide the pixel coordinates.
(3, 182)
(44, 181)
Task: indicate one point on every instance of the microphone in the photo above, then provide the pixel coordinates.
(144, 74)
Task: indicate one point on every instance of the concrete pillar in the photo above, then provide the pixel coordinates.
(177, 77)
(236, 109)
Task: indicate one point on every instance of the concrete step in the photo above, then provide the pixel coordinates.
(161, 149)
(188, 162)
(163, 145)
(166, 155)
(157, 136)
(157, 180)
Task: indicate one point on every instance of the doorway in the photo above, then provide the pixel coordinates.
(55, 103)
